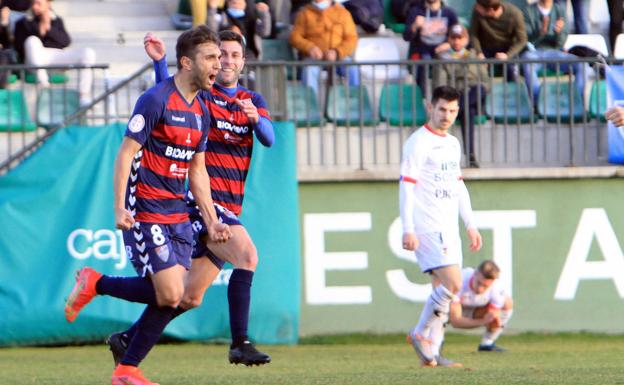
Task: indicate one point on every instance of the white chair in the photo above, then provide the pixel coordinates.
(594, 41)
(618, 51)
(379, 49)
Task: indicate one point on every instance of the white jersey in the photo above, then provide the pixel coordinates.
(431, 161)
(494, 296)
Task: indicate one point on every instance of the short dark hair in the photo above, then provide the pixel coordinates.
(489, 269)
(229, 35)
(189, 40)
(444, 92)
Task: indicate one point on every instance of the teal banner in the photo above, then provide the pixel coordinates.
(57, 217)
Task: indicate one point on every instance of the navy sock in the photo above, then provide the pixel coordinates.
(129, 334)
(148, 331)
(239, 296)
(133, 289)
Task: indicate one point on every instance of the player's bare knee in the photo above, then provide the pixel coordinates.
(248, 258)
(170, 297)
(190, 302)
(454, 287)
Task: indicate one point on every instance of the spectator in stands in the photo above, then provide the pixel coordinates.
(427, 30)
(470, 80)
(253, 21)
(325, 30)
(41, 40)
(616, 16)
(580, 8)
(497, 31)
(546, 27)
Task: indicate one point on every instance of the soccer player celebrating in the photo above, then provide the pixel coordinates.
(236, 114)
(164, 143)
(482, 301)
(431, 195)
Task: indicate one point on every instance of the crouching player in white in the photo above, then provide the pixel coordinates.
(482, 302)
(432, 194)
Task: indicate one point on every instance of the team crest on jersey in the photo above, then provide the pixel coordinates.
(162, 252)
(137, 123)
(198, 118)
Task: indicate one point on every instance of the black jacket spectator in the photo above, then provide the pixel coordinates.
(57, 36)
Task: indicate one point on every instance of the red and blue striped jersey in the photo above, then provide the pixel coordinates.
(230, 143)
(170, 131)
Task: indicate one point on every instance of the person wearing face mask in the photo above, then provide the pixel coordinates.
(427, 29)
(470, 80)
(324, 30)
(253, 22)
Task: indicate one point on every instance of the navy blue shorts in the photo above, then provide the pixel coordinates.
(153, 247)
(199, 230)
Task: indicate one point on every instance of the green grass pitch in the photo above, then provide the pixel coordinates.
(341, 360)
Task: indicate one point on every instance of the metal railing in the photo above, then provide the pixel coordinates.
(366, 130)
(43, 111)
(362, 129)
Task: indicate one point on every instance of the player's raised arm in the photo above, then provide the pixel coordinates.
(156, 50)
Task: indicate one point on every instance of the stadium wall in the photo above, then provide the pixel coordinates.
(56, 214)
(556, 240)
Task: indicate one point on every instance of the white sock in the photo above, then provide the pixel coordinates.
(439, 301)
(436, 335)
(489, 337)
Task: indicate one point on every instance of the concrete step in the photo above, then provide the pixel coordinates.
(69, 9)
(76, 25)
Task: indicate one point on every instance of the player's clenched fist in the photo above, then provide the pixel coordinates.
(249, 109)
(410, 241)
(615, 115)
(219, 232)
(123, 219)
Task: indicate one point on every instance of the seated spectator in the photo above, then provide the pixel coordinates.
(426, 30)
(470, 80)
(325, 30)
(546, 26)
(497, 31)
(41, 40)
(253, 22)
(368, 14)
